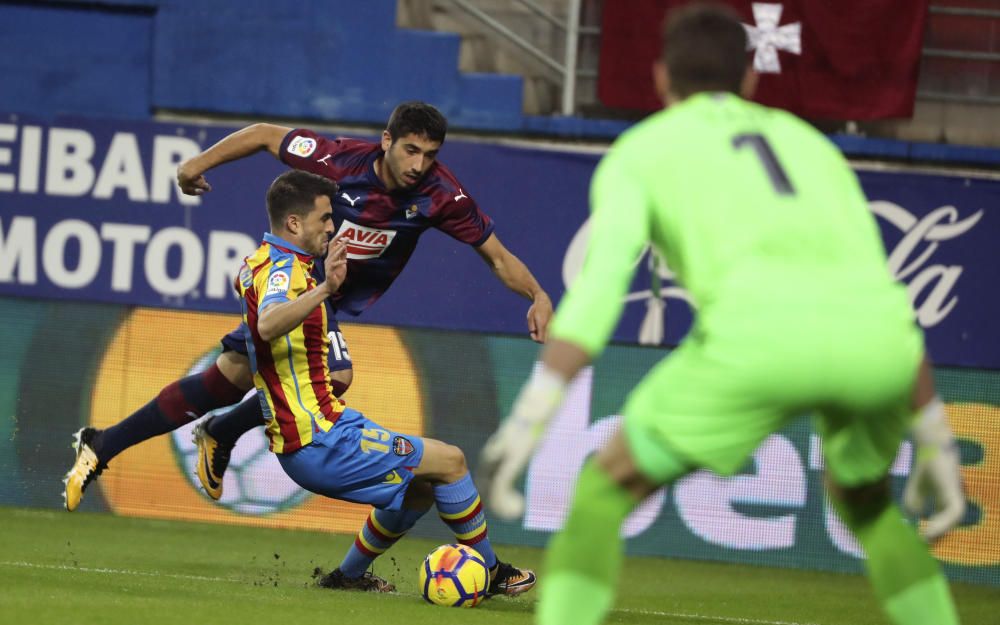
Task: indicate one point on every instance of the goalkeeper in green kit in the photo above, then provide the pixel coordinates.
(767, 228)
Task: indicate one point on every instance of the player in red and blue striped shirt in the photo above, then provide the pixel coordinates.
(380, 212)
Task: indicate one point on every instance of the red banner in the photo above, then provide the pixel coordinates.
(850, 59)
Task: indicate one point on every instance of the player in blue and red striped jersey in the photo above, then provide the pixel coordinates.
(324, 446)
(390, 192)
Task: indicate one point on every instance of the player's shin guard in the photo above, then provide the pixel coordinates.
(381, 531)
(460, 508)
(583, 560)
(907, 581)
(177, 404)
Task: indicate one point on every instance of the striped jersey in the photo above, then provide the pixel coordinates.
(291, 374)
(381, 228)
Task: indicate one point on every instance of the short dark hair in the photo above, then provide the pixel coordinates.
(704, 49)
(294, 193)
(417, 118)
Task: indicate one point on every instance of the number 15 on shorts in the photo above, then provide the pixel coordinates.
(374, 439)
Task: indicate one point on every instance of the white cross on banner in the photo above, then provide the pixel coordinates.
(848, 59)
(766, 37)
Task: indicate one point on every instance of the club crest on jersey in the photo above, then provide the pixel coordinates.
(302, 146)
(364, 242)
(412, 211)
(402, 446)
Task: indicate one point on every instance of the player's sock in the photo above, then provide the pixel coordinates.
(177, 404)
(381, 531)
(460, 508)
(907, 580)
(227, 428)
(583, 560)
(339, 388)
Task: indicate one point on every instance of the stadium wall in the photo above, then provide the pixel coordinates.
(80, 363)
(89, 210)
(112, 285)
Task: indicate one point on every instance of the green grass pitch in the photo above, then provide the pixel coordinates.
(57, 568)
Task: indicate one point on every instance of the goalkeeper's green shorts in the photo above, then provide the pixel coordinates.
(718, 396)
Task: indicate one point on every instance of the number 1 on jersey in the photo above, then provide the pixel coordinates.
(779, 179)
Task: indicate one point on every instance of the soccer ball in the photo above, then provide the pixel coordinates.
(454, 576)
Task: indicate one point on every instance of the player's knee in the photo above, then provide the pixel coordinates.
(616, 460)
(442, 463)
(858, 505)
(454, 462)
(341, 380)
(235, 367)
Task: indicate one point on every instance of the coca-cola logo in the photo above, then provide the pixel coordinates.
(931, 285)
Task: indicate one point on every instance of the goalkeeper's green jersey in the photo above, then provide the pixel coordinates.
(757, 213)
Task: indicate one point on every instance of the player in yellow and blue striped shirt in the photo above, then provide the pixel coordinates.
(289, 373)
(322, 445)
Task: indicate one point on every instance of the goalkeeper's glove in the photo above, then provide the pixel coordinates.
(507, 452)
(935, 474)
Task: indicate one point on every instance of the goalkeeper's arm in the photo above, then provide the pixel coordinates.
(587, 315)
(507, 452)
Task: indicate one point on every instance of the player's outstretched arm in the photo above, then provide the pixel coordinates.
(586, 318)
(516, 276)
(244, 142)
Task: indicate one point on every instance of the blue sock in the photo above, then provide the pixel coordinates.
(460, 508)
(381, 531)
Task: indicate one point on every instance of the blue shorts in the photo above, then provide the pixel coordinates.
(338, 360)
(357, 460)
